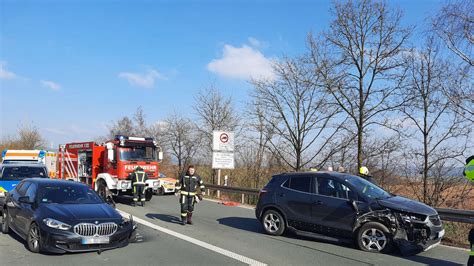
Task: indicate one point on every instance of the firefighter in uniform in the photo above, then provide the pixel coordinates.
(139, 178)
(186, 189)
(469, 174)
(364, 173)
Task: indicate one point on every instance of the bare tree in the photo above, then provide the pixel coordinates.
(140, 126)
(182, 139)
(30, 138)
(255, 152)
(358, 60)
(454, 24)
(297, 113)
(215, 112)
(123, 126)
(439, 132)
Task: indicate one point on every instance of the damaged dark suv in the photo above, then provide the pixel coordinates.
(340, 207)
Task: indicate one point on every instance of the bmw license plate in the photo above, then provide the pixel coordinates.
(95, 240)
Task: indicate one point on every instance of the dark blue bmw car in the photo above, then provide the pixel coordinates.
(63, 216)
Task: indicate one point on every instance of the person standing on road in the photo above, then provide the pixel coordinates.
(469, 174)
(186, 189)
(139, 178)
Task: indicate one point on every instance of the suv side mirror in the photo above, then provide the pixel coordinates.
(354, 205)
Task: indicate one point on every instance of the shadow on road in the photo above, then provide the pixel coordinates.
(124, 200)
(431, 261)
(242, 223)
(164, 217)
(254, 226)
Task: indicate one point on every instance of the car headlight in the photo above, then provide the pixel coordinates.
(124, 185)
(156, 183)
(126, 221)
(56, 224)
(412, 217)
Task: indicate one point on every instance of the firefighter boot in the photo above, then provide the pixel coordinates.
(184, 220)
(190, 216)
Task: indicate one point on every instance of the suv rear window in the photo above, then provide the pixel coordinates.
(299, 183)
(22, 172)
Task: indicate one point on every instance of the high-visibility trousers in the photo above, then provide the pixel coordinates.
(187, 204)
(138, 192)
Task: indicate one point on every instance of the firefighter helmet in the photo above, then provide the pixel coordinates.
(469, 169)
(364, 170)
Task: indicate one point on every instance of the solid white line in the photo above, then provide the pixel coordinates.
(200, 243)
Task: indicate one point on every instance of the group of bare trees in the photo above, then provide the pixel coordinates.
(362, 94)
(28, 138)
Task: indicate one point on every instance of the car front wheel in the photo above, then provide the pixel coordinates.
(5, 222)
(374, 237)
(34, 238)
(273, 223)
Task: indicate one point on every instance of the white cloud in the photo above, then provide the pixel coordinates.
(242, 63)
(50, 85)
(4, 73)
(146, 80)
(257, 43)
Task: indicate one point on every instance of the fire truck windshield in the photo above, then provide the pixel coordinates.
(137, 154)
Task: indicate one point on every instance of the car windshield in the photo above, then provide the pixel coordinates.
(137, 154)
(22, 172)
(366, 188)
(68, 194)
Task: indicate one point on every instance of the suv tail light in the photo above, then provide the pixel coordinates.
(262, 192)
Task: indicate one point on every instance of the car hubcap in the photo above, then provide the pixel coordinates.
(271, 223)
(34, 237)
(374, 239)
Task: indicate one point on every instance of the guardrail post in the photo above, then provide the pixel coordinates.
(218, 182)
(243, 198)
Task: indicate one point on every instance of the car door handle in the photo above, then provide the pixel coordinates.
(318, 202)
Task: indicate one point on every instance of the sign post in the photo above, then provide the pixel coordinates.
(223, 153)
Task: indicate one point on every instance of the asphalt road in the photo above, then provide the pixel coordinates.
(220, 235)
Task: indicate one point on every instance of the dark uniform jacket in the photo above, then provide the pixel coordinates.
(187, 185)
(139, 177)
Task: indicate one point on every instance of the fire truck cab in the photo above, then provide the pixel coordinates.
(107, 167)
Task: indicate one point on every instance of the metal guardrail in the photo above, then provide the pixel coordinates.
(452, 215)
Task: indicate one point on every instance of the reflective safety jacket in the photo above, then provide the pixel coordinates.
(187, 185)
(139, 178)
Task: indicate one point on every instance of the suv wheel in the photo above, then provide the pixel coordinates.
(374, 237)
(5, 222)
(273, 223)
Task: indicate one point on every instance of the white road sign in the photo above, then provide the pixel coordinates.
(222, 160)
(223, 141)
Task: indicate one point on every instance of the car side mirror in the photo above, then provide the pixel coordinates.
(354, 205)
(25, 199)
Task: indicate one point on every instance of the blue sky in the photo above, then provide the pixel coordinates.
(71, 67)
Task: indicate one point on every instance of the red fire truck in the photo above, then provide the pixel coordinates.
(106, 167)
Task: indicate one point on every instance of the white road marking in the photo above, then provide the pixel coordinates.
(200, 243)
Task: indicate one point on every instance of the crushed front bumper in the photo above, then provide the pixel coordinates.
(420, 236)
(57, 241)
